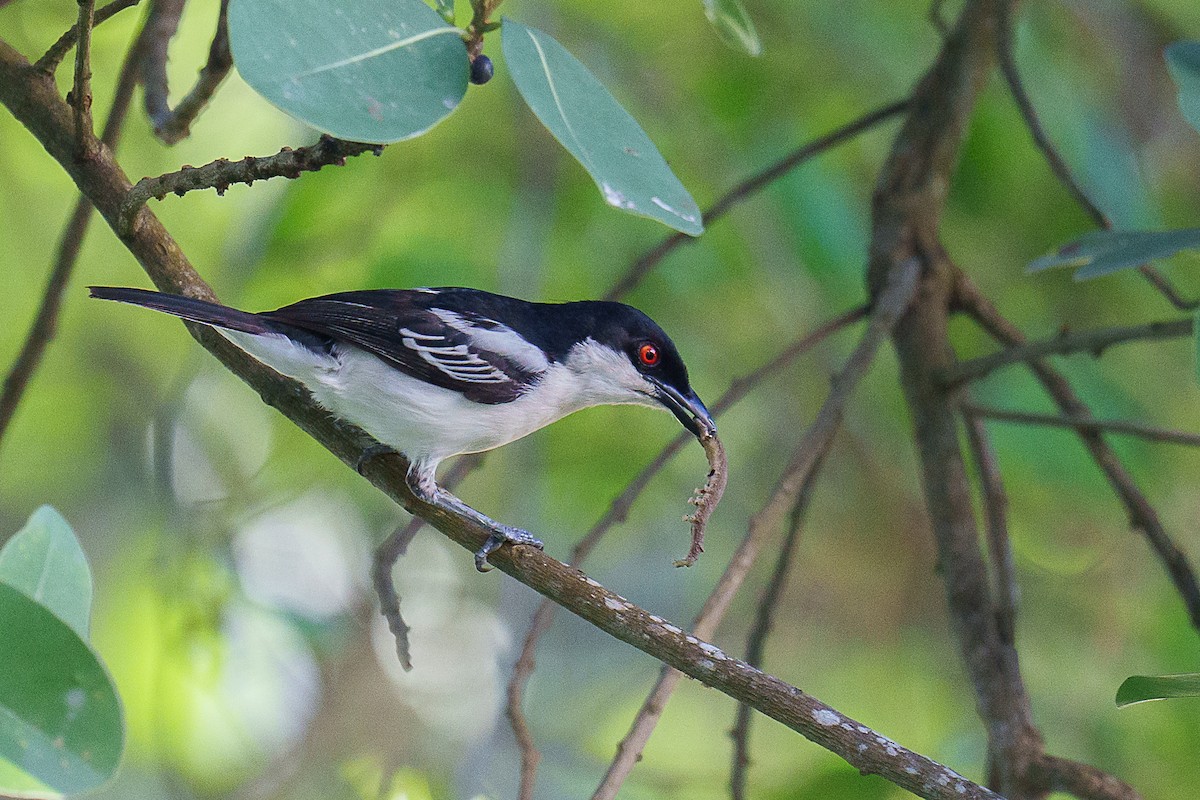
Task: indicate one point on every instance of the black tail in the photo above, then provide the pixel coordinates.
(188, 308)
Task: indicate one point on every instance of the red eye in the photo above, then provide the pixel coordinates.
(648, 354)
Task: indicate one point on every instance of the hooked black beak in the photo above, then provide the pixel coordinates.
(688, 409)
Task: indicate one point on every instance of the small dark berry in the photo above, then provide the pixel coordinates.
(481, 70)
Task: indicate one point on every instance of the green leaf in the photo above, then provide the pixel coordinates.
(591, 124)
(60, 720)
(733, 25)
(375, 71)
(1141, 688)
(1183, 59)
(445, 9)
(45, 562)
(1104, 252)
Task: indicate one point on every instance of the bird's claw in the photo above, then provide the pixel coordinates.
(498, 539)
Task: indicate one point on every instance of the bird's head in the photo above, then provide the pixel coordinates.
(627, 358)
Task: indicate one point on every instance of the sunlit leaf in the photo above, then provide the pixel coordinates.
(60, 720)
(733, 25)
(1183, 59)
(1140, 688)
(366, 70)
(1104, 252)
(593, 126)
(44, 561)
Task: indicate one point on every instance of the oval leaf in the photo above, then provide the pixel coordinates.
(733, 25)
(591, 124)
(1104, 252)
(1140, 688)
(60, 720)
(374, 71)
(1183, 59)
(45, 562)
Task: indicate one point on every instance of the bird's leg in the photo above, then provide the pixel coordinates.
(423, 483)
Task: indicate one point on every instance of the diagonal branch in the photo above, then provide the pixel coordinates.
(617, 513)
(1093, 342)
(222, 173)
(1058, 165)
(1142, 515)
(45, 324)
(80, 97)
(33, 99)
(890, 304)
(1141, 430)
(58, 51)
(751, 186)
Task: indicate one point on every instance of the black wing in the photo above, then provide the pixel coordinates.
(448, 347)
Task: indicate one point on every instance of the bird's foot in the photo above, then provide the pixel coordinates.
(372, 452)
(499, 538)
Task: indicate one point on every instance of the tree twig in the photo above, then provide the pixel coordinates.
(751, 186)
(174, 124)
(1142, 515)
(756, 641)
(81, 90)
(1141, 430)
(45, 323)
(58, 51)
(222, 173)
(1094, 342)
(617, 512)
(995, 515)
(1058, 165)
(890, 304)
(162, 23)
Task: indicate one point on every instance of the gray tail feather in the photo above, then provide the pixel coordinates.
(188, 308)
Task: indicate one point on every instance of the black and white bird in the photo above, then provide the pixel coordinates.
(435, 373)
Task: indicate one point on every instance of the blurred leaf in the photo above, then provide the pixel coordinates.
(60, 719)
(1141, 688)
(1183, 59)
(591, 124)
(733, 25)
(1104, 252)
(366, 70)
(44, 561)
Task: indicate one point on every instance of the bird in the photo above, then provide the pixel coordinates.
(433, 373)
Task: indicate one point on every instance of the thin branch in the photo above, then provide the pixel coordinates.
(1093, 342)
(1058, 165)
(617, 512)
(222, 173)
(45, 323)
(81, 90)
(1128, 428)
(58, 51)
(162, 23)
(174, 125)
(890, 304)
(751, 186)
(1082, 781)
(756, 643)
(1142, 515)
(995, 514)
(392, 549)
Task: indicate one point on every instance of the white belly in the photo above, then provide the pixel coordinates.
(426, 423)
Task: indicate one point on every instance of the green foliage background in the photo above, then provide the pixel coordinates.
(230, 551)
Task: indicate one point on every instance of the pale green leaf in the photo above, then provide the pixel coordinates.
(1141, 688)
(1104, 252)
(61, 730)
(44, 561)
(375, 71)
(592, 125)
(733, 25)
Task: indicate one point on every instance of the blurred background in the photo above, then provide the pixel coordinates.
(231, 553)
